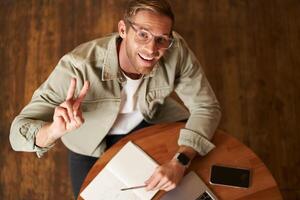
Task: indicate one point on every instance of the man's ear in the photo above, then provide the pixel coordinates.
(122, 29)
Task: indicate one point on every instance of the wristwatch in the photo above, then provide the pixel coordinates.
(183, 159)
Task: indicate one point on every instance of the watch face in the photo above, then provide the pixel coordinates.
(183, 159)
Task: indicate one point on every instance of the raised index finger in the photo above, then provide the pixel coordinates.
(71, 89)
(81, 95)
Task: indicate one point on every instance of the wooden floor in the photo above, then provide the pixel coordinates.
(249, 50)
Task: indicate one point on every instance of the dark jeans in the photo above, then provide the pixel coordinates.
(79, 165)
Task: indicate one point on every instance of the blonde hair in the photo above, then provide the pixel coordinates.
(159, 6)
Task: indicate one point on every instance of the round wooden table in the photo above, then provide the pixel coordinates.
(160, 142)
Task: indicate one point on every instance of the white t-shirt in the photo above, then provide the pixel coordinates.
(129, 114)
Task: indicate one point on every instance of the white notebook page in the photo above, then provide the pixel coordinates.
(131, 166)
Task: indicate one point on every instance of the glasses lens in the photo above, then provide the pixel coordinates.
(143, 36)
(163, 42)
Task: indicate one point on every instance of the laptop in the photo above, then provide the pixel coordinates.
(190, 188)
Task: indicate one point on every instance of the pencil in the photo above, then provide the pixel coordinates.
(135, 187)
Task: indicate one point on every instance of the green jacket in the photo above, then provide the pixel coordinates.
(97, 62)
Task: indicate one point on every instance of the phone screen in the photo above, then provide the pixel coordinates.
(230, 176)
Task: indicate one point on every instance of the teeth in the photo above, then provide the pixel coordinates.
(146, 58)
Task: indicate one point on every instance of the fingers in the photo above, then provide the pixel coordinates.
(165, 177)
(159, 180)
(168, 187)
(162, 183)
(79, 120)
(152, 182)
(68, 105)
(79, 99)
(81, 96)
(62, 112)
(71, 89)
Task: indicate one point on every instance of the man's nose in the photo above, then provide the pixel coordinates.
(151, 47)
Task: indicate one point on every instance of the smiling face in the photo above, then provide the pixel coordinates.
(136, 57)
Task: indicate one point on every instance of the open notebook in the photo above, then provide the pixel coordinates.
(131, 166)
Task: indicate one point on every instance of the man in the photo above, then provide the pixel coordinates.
(106, 88)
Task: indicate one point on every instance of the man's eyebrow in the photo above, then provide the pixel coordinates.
(166, 34)
(147, 29)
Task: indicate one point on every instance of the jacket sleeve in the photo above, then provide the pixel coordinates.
(196, 93)
(40, 109)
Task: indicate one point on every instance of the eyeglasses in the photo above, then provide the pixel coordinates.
(144, 36)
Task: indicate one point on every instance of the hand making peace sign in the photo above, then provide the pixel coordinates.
(68, 116)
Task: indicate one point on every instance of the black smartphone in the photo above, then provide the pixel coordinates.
(230, 176)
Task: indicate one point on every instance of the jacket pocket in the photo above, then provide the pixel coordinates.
(92, 105)
(158, 94)
(156, 97)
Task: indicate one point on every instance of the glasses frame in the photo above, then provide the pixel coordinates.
(152, 36)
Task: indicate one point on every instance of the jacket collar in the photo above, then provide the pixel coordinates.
(111, 69)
